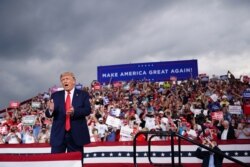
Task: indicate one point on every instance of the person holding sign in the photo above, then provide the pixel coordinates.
(69, 108)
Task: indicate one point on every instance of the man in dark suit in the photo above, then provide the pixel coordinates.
(209, 159)
(226, 131)
(68, 108)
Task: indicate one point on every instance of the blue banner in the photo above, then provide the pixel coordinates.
(155, 71)
(246, 93)
(224, 77)
(79, 86)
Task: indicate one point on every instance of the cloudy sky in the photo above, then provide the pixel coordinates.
(41, 39)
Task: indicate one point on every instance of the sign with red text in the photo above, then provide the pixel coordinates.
(97, 86)
(14, 104)
(217, 115)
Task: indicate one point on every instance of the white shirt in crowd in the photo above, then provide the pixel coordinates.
(224, 134)
(164, 124)
(102, 128)
(29, 138)
(149, 123)
(12, 138)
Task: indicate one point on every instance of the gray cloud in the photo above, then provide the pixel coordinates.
(41, 39)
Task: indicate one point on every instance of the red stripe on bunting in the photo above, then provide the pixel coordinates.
(41, 157)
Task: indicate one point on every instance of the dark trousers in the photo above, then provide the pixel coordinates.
(68, 145)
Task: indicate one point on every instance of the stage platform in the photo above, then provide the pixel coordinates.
(116, 154)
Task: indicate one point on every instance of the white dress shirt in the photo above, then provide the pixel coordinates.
(224, 134)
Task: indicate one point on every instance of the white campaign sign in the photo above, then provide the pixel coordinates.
(235, 109)
(112, 121)
(126, 131)
(29, 120)
(116, 112)
(36, 104)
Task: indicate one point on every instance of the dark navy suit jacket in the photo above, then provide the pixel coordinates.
(205, 156)
(79, 128)
(230, 134)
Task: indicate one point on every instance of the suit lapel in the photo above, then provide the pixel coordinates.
(62, 100)
(76, 94)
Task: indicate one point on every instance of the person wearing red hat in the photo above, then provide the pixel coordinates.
(208, 133)
(190, 133)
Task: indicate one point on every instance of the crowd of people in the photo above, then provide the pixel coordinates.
(193, 108)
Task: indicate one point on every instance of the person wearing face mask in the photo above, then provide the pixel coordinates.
(69, 109)
(209, 159)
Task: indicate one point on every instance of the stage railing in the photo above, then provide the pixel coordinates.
(172, 135)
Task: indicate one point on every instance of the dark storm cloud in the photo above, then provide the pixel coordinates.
(35, 34)
(30, 27)
(41, 39)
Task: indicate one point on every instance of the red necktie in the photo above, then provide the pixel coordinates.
(67, 107)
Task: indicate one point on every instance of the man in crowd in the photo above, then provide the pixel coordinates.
(14, 137)
(226, 131)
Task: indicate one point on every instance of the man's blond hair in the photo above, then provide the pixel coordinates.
(68, 74)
